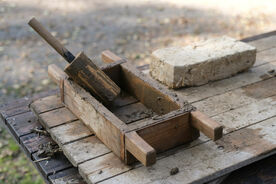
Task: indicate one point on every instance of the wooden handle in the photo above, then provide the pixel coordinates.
(140, 149)
(67, 55)
(206, 125)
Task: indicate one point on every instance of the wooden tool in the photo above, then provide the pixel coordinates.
(170, 121)
(81, 69)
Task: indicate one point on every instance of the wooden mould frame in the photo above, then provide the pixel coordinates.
(176, 121)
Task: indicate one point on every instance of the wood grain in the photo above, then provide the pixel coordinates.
(140, 149)
(46, 104)
(56, 117)
(69, 132)
(85, 149)
(206, 125)
(85, 73)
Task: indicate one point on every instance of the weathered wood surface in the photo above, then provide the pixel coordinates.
(57, 117)
(85, 149)
(69, 132)
(239, 117)
(88, 75)
(208, 126)
(139, 148)
(76, 140)
(68, 176)
(216, 102)
(262, 95)
(110, 127)
(233, 151)
(29, 142)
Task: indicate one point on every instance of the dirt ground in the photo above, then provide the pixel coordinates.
(129, 28)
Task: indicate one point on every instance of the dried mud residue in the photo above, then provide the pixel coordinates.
(248, 140)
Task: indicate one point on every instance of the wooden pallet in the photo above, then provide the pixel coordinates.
(230, 99)
(19, 120)
(244, 104)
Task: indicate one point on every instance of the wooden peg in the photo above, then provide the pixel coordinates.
(206, 125)
(140, 149)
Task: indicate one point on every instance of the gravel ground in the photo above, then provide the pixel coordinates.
(132, 29)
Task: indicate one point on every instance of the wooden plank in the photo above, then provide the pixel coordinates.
(21, 105)
(76, 147)
(16, 111)
(22, 124)
(149, 92)
(259, 36)
(53, 165)
(237, 98)
(88, 109)
(46, 104)
(209, 127)
(69, 132)
(68, 176)
(15, 104)
(109, 57)
(140, 149)
(254, 75)
(30, 142)
(177, 128)
(102, 167)
(57, 117)
(246, 115)
(84, 150)
(20, 102)
(146, 90)
(265, 43)
(209, 160)
(265, 56)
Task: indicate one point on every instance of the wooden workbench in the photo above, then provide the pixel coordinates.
(245, 104)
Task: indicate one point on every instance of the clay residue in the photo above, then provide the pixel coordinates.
(261, 89)
(248, 140)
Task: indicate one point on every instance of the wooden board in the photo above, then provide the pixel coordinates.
(254, 90)
(78, 143)
(85, 149)
(57, 117)
(29, 142)
(70, 176)
(245, 144)
(208, 159)
(22, 124)
(69, 132)
(49, 167)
